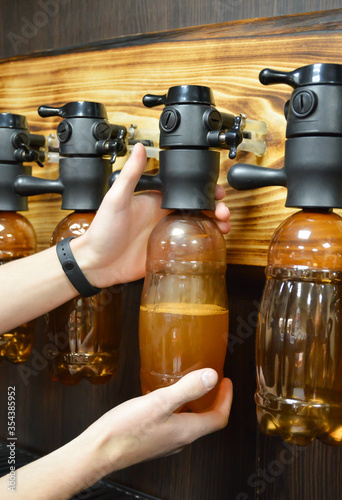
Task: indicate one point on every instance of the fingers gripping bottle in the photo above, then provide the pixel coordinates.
(184, 310)
(17, 235)
(299, 335)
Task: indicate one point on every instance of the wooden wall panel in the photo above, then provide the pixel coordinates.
(228, 465)
(74, 22)
(225, 57)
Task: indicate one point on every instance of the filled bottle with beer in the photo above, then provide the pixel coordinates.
(85, 331)
(299, 337)
(299, 333)
(17, 240)
(17, 235)
(183, 323)
(184, 308)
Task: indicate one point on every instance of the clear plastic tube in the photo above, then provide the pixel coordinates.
(256, 126)
(257, 147)
(52, 157)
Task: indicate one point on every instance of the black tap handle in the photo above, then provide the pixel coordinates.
(31, 155)
(26, 185)
(233, 137)
(242, 176)
(319, 73)
(270, 76)
(150, 100)
(227, 139)
(23, 152)
(146, 182)
(39, 163)
(75, 109)
(45, 111)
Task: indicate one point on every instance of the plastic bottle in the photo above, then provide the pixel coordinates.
(184, 307)
(299, 341)
(85, 331)
(299, 337)
(17, 240)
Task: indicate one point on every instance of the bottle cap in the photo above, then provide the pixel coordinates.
(181, 94)
(319, 73)
(75, 109)
(9, 120)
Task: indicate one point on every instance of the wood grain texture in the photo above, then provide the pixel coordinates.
(72, 23)
(224, 466)
(225, 57)
(295, 472)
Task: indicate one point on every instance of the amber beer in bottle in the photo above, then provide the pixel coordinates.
(184, 309)
(17, 240)
(85, 332)
(299, 337)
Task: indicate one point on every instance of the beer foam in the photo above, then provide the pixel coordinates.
(184, 309)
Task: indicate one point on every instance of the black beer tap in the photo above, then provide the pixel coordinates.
(86, 139)
(312, 169)
(18, 146)
(190, 128)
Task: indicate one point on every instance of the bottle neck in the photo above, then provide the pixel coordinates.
(181, 212)
(317, 210)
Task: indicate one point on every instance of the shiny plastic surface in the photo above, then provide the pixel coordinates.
(299, 337)
(85, 332)
(184, 309)
(17, 240)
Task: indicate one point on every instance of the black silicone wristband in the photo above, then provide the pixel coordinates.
(73, 271)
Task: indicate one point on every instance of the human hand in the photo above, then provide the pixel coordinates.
(113, 250)
(147, 427)
(137, 430)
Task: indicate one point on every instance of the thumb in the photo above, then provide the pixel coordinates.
(190, 387)
(124, 186)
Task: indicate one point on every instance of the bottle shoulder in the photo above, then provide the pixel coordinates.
(17, 236)
(187, 236)
(73, 224)
(308, 239)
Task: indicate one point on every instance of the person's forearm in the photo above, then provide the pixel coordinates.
(31, 287)
(61, 474)
(137, 430)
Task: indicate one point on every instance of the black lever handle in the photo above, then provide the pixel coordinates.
(319, 73)
(270, 76)
(26, 185)
(242, 176)
(45, 111)
(150, 100)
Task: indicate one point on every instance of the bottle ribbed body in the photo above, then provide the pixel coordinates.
(84, 332)
(299, 336)
(17, 240)
(183, 323)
